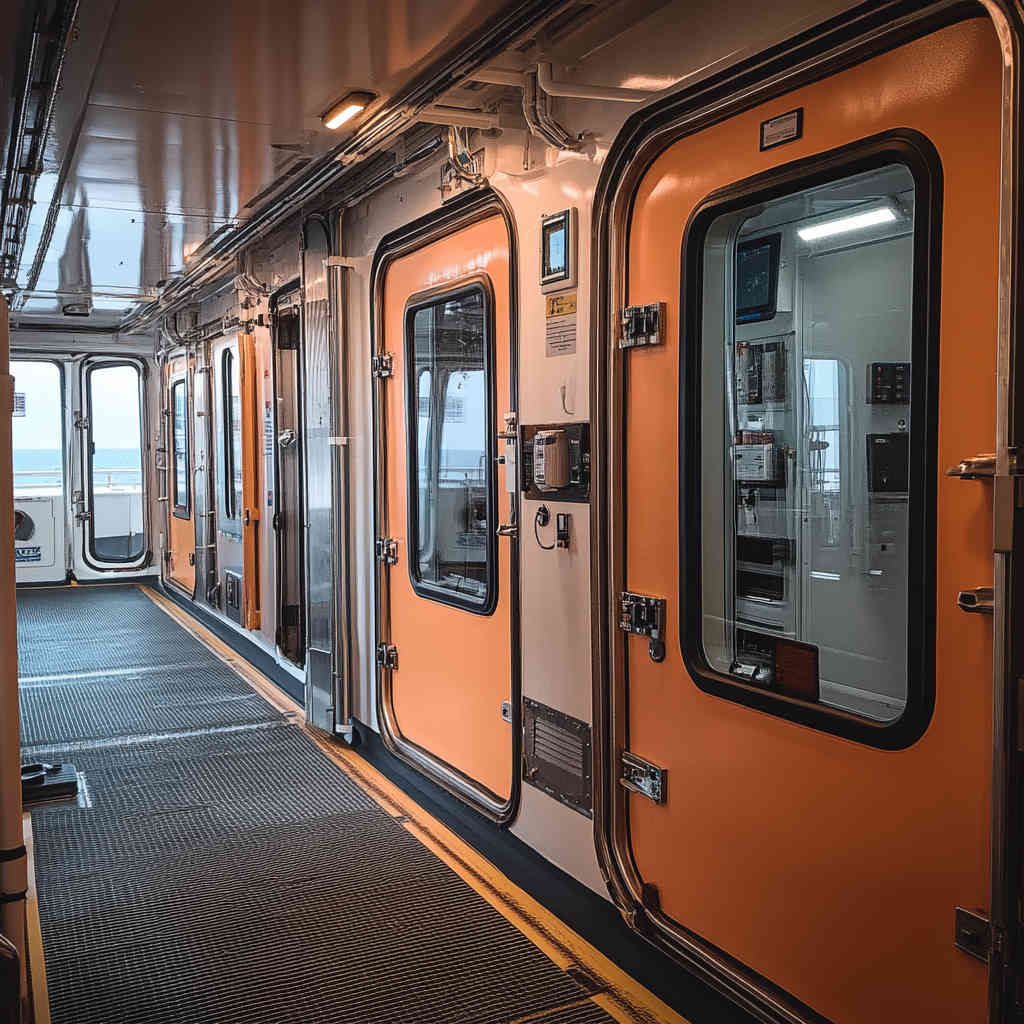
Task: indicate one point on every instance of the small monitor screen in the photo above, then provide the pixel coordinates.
(555, 238)
(757, 278)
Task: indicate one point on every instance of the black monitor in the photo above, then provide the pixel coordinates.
(757, 278)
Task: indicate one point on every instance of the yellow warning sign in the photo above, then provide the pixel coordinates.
(561, 305)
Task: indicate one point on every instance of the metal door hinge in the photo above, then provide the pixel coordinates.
(387, 550)
(642, 325)
(383, 365)
(83, 516)
(973, 933)
(640, 776)
(80, 422)
(506, 711)
(644, 616)
(387, 656)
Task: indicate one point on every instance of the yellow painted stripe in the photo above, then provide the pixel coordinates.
(621, 996)
(34, 932)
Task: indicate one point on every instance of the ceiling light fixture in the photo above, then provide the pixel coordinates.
(354, 103)
(886, 213)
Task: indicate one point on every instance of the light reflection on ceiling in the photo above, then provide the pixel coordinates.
(172, 118)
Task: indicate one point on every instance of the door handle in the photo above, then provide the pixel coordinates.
(978, 600)
(286, 438)
(508, 530)
(247, 518)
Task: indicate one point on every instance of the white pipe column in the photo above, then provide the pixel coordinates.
(13, 862)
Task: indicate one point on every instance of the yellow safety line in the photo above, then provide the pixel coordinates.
(619, 995)
(34, 933)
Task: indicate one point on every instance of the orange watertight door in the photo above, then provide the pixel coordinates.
(180, 498)
(446, 323)
(823, 708)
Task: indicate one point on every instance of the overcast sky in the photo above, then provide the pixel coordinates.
(115, 404)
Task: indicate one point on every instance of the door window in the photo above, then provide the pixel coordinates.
(451, 448)
(38, 435)
(229, 443)
(179, 428)
(115, 462)
(808, 452)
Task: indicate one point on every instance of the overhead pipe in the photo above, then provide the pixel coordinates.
(581, 91)
(539, 119)
(458, 117)
(43, 77)
(536, 109)
(13, 857)
(498, 76)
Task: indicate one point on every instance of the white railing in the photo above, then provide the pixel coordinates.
(103, 479)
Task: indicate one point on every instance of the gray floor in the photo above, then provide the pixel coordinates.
(220, 867)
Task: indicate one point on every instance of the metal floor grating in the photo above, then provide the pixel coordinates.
(172, 700)
(239, 875)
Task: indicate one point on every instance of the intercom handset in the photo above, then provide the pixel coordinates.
(550, 459)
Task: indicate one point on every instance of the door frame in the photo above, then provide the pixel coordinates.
(461, 213)
(63, 556)
(819, 53)
(288, 296)
(168, 380)
(81, 422)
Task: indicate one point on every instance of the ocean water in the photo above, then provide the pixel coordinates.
(47, 464)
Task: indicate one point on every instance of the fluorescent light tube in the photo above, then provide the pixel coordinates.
(354, 103)
(848, 222)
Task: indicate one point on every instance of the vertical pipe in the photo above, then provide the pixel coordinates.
(13, 862)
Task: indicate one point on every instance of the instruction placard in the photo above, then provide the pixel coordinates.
(560, 324)
(19, 403)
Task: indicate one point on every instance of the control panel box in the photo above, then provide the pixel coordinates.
(556, 461)
(888, 383)
(888, 458)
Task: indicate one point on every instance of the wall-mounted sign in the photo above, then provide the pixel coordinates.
(784, 128)
(19, 403)
(560, 324)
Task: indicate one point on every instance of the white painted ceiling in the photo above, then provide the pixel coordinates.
(174, 117)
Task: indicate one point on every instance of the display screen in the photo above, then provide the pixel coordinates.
(757, 278)
(554, 244)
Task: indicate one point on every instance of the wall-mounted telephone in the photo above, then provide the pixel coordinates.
(556, 461)
(550, 460)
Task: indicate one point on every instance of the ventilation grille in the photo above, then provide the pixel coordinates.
(557, 755)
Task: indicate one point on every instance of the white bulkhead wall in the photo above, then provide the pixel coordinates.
(679, 43)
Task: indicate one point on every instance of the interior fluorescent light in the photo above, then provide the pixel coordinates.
(884, 214)
(354, 103)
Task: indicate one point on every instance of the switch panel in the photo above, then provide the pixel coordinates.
(888, 383)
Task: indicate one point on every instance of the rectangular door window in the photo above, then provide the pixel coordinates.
(806, 440)
(180, 478)
(115, 462)
(37, 430)
(451, 445)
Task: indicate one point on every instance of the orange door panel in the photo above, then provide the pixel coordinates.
(180, 499)
(831, 867)
(454, 662)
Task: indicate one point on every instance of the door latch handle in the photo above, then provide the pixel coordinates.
(978, 600)
(508, 530)
(286, 438)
